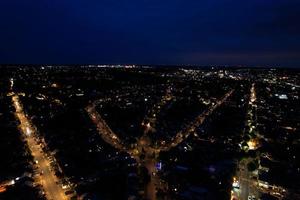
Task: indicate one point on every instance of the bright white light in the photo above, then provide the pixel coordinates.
(28, 131)
(283, 96)
(11, 82)
(148, 125)
(235, 184)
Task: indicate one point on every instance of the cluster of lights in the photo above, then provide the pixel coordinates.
(235, 183)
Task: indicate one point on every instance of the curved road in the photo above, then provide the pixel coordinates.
(143, 144)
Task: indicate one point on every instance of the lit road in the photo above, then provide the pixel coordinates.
(252, 94)
(249, 185)
(182, 135)
(246, 184)
(152, 114)
(143, 145)
(45, 176)
(244, 176)
(104, 130)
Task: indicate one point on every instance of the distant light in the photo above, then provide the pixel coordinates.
(11, 82)
(148, 125)
(235, 183)
(252, 144)
(159, 166)
(211, 169)
(54, 85)
(283, 96)
(12, 182)
(28, 131)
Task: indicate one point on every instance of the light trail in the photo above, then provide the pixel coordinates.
(45, 176)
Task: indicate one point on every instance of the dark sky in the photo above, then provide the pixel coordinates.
(202, 32)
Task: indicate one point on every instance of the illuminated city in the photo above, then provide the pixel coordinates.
(141, 132)
(150, 100)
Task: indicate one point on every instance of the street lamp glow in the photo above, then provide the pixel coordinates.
(28, 131)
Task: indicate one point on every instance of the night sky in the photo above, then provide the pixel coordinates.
(199, 32)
